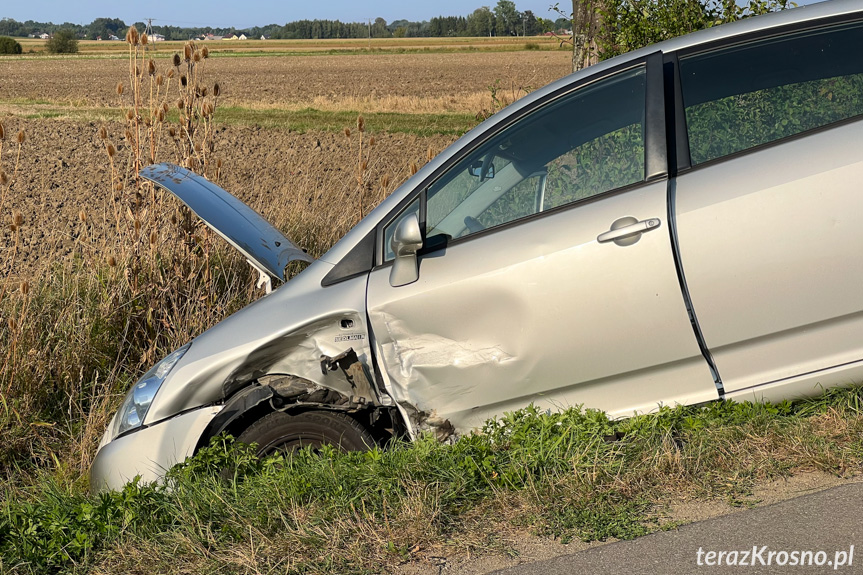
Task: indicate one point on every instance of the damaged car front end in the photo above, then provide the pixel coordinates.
(290, 351)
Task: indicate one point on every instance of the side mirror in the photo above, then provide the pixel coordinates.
(407, 241)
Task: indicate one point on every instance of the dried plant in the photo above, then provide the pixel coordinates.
(7, 180)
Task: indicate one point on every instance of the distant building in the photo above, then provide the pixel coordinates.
(44, 36)
(157, 38)
(112, 37)
(243, 37)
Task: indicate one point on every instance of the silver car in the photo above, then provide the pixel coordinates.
(678, 225)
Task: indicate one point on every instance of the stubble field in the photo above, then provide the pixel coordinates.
(435, 82)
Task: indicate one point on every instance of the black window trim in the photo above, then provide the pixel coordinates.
(768, 33)
(655, 149)
(675, 117)
(681, 157)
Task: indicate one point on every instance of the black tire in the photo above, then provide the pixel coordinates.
(279, 432)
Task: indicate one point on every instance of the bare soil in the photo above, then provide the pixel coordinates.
(64, 173)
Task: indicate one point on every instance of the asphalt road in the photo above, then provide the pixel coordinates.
(827, 524)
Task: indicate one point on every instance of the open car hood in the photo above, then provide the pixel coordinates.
(266, 248)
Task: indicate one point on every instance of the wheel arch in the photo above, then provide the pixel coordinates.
(293, 395)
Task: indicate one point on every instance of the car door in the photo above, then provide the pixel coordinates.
(546, 274)
(768, 215)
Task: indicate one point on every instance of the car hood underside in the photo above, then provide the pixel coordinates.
(266, 248)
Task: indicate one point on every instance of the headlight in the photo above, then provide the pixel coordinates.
(134, 409)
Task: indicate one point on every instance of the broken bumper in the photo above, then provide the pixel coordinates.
(149, 452)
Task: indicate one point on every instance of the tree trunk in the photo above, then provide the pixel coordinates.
(584, 25)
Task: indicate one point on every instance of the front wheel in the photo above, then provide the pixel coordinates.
(279, 432)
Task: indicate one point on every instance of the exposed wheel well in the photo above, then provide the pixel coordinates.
(255, 401)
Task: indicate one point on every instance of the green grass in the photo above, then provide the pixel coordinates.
(311, 119)
(558, 475)
(298, 120)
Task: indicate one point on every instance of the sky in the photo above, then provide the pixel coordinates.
(247, 13)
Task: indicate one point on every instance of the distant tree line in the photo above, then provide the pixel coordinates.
(502, 20)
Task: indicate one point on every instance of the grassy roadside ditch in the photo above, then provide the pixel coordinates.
(569, 475)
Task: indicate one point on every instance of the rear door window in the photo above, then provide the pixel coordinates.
(758, 92)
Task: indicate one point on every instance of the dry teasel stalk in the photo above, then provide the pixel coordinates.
(171, 72)
(372, 141)
(103, 133)
(348, 132)
(4, 179)
(154, 237)
(132, 35)
(112, 151)
(361, 123)
(112, 261)
(21, 137)
(205, 52)
(183, 80)
(151, 66)
(130, 114)
(217, 89)
(187, 52)
(12, 324)
(197, 56)
(82, 215)
(2, 132)
(160, 80)
(176, 60)
(17, 218)
(119, 88)
(24, 288)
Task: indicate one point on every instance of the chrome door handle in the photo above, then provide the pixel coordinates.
(625, 227)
